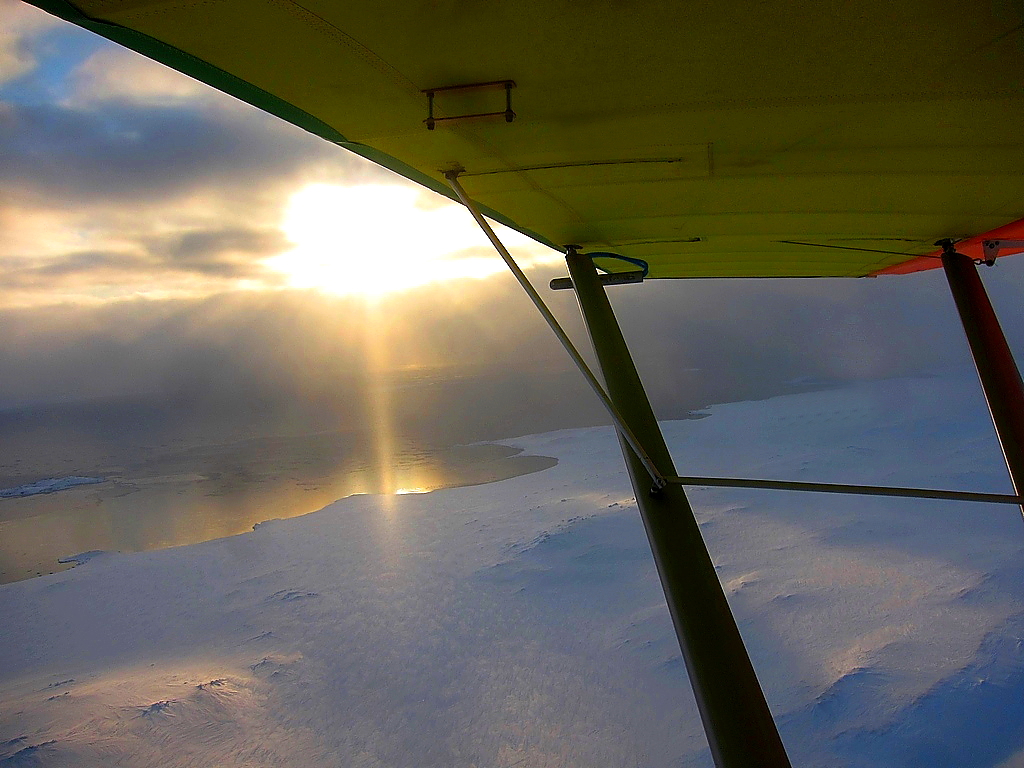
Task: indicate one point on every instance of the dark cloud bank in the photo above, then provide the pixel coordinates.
(229, 253)
(472, 360)
(131, 154)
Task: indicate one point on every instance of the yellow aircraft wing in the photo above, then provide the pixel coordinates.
(705, 137)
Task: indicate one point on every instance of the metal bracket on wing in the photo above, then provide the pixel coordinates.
(431, 121)
(991, 249)
(608, 278)
(611, 278)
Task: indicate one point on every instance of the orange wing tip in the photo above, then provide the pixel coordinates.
(972, 246)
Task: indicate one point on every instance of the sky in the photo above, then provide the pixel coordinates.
(164, 242)
(168, 246)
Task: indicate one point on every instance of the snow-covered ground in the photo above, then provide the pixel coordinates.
(521, 623)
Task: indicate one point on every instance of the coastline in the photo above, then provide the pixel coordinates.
(201, 492)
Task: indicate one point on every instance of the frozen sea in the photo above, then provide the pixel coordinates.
(521, 623)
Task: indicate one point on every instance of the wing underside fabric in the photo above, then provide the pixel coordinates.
(709, 138)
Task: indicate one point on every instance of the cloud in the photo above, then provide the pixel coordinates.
(21, 24)
(133, 154)
(301, 360)
(482, 349)
(144, 182)
(117, 75)
(187, 248)
(21, 273)
(117, 126)
(219, 257)
(231, 252)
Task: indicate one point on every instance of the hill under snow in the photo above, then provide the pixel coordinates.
(521, 623)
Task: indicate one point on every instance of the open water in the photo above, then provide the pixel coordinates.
(165, 485)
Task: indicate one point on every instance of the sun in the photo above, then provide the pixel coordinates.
(372, 240)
